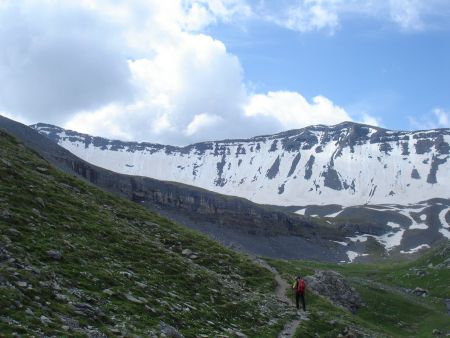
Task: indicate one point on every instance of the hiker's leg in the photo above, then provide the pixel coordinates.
(297, 296)
(303, 301)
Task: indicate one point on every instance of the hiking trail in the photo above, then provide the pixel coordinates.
(290, 327)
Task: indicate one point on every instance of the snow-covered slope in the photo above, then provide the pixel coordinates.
(347, 164)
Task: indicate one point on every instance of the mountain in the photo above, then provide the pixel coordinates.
(367, 190)
(80, 262)
(77, 261)
(347, 164)
(236, 222)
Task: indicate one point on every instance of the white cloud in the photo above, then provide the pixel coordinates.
(181, 86)
(200, 122)
(438, 118)
(370, 120)
(313, 15)
(292, 110)
(443, 118)
(407, 13)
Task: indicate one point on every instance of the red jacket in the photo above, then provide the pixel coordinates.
(299, 286)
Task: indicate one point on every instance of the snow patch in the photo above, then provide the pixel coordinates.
(301, 211)
(414, 224)
(352, 255)
(393, 225)
(414, 250)
(445, 233)
(358, 238)
(389, 240)
(421, 226)
(334, 214)
(341, 243)
(442, 218)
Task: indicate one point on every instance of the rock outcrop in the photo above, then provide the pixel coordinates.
(334, 286)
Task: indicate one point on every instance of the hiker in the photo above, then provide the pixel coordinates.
(299, 287)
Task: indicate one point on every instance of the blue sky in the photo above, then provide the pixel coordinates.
(397, 75)
(183, 71)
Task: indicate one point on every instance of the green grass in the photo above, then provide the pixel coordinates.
(390, 310)
(110, 243)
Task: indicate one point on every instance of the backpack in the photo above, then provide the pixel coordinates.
(301, 286)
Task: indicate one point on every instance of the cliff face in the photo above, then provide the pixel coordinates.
(347, 164)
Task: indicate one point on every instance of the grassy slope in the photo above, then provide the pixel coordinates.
(110, 243)
(390, 310)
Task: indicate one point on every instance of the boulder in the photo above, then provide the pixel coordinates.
(54, 254)
(334, 287)
(186, 252)
(41, 170)
(420, 292)
(169, 331)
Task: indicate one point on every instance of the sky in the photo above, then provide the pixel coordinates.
(184, 71)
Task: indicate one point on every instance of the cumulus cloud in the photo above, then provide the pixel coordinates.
(141, 70)
(292, 110)
(55, 61)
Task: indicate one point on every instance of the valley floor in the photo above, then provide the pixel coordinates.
(399, 299)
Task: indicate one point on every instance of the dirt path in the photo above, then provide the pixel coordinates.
(280, 293)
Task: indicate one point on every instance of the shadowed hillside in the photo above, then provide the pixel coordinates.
(75, 260)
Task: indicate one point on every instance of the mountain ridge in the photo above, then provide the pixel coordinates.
(313, 165)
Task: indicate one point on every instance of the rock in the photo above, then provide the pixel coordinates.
(109, 292)
(126, 274)
(87, 310)
(115, 331)
(45, 320)
(6, 163)
(238, 334)
(169, 331)
(420, 292)
(186, 252)
(70, 323)
(14, 232)
(54, 254)
(29, 312)
(447, 305)
(151, 309)
(40, 201)
(6, 239)
(437, 332)
(41, 170)
(133, 299)
(61, 297)
(141, 285)
(421, 273)
(22, 284)
(333, 286)
(5, 213)
(36, 212)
